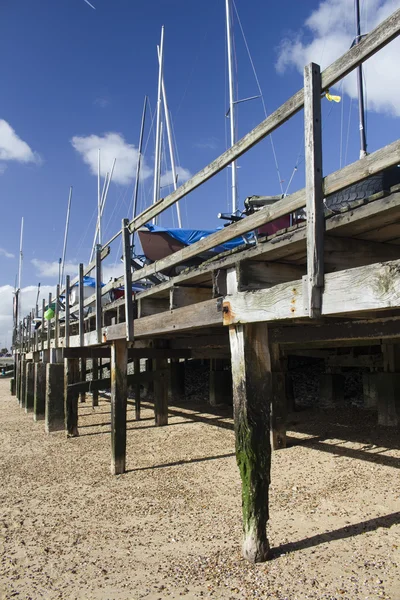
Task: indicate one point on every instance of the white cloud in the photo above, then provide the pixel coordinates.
(329, 32)
(13, 148)
(101, 102)
(208, 144)
(167, 178)
(112, 145)
(28, 301)
(50, 269)
(6, 254)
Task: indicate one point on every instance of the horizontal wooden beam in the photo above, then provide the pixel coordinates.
(373, 287)
(203, 314)
(369, 45)
(103, 384)
(336, 332)
(105, 352)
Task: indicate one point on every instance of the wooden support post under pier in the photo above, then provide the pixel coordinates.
(30, 387)
(278, 400)
(39, 398)
(71, 375)
(220, 388)
(161, 391)
(252, 392)
(22, 397)
(95, 375)
(176, 380)
(136, 363)
(54, 410)
(119, 398)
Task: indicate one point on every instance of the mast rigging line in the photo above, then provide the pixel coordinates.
(261, 94)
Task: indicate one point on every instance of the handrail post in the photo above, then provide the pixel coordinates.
(57, 318)
(126, 246)
(80, 314)
(98, 293)
(314, 191)
(49, 327)
(67, 311)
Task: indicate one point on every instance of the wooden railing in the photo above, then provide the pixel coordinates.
(311, 197)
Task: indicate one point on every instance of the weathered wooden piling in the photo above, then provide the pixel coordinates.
(30, 387)
(39, 397)
(161, 391)
(278, 400)
(22, 398)
(71, 375)
(252, 393)
(119, 398)
(136, 363)
(220, 383)
(54, 407)
(83, 377)
(176, 380)
(95, 375)
(12, 386)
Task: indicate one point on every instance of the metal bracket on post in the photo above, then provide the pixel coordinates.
(98, 293)
(126, 246)
(314, 191)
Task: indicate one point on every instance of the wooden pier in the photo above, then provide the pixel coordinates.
(330, 282)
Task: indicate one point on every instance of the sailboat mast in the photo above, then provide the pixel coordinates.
(139, 160)
(156, 185)
(170, 146)
(360, 86)
(231, 100)
(98, 197)
(65, 237)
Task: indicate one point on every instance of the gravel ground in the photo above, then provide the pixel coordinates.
(171, 526)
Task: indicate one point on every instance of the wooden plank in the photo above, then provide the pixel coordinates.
(314, 195)
(99, 315)
(253, 275)
(372, 287)
(369, 45)
(185, 295)
(119, 397)
(373, 163)
(251, 376)
(344, 253)
(188, 318)
(126, 246)
(151, 306)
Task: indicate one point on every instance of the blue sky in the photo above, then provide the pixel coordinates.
(72, 73)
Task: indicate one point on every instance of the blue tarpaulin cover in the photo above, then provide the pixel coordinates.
(190, 236)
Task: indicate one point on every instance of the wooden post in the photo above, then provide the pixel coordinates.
(54, 410)
(67, 311)
(314, 192)
(39, 398)
(119, 397)
(83, 377)
(388, 387)
(29, 389)
(220, 388)
(278, 401)
(251, 375)
(71, 375)
(22, 399)
(161, 391)
(12, 385)
(126, 246)
(95, 375)
(177, 380)
(98, 293)
(43, 326)
(57, 318)
(137, 389)
(80, 312)
(49, 327)
(331, 391)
